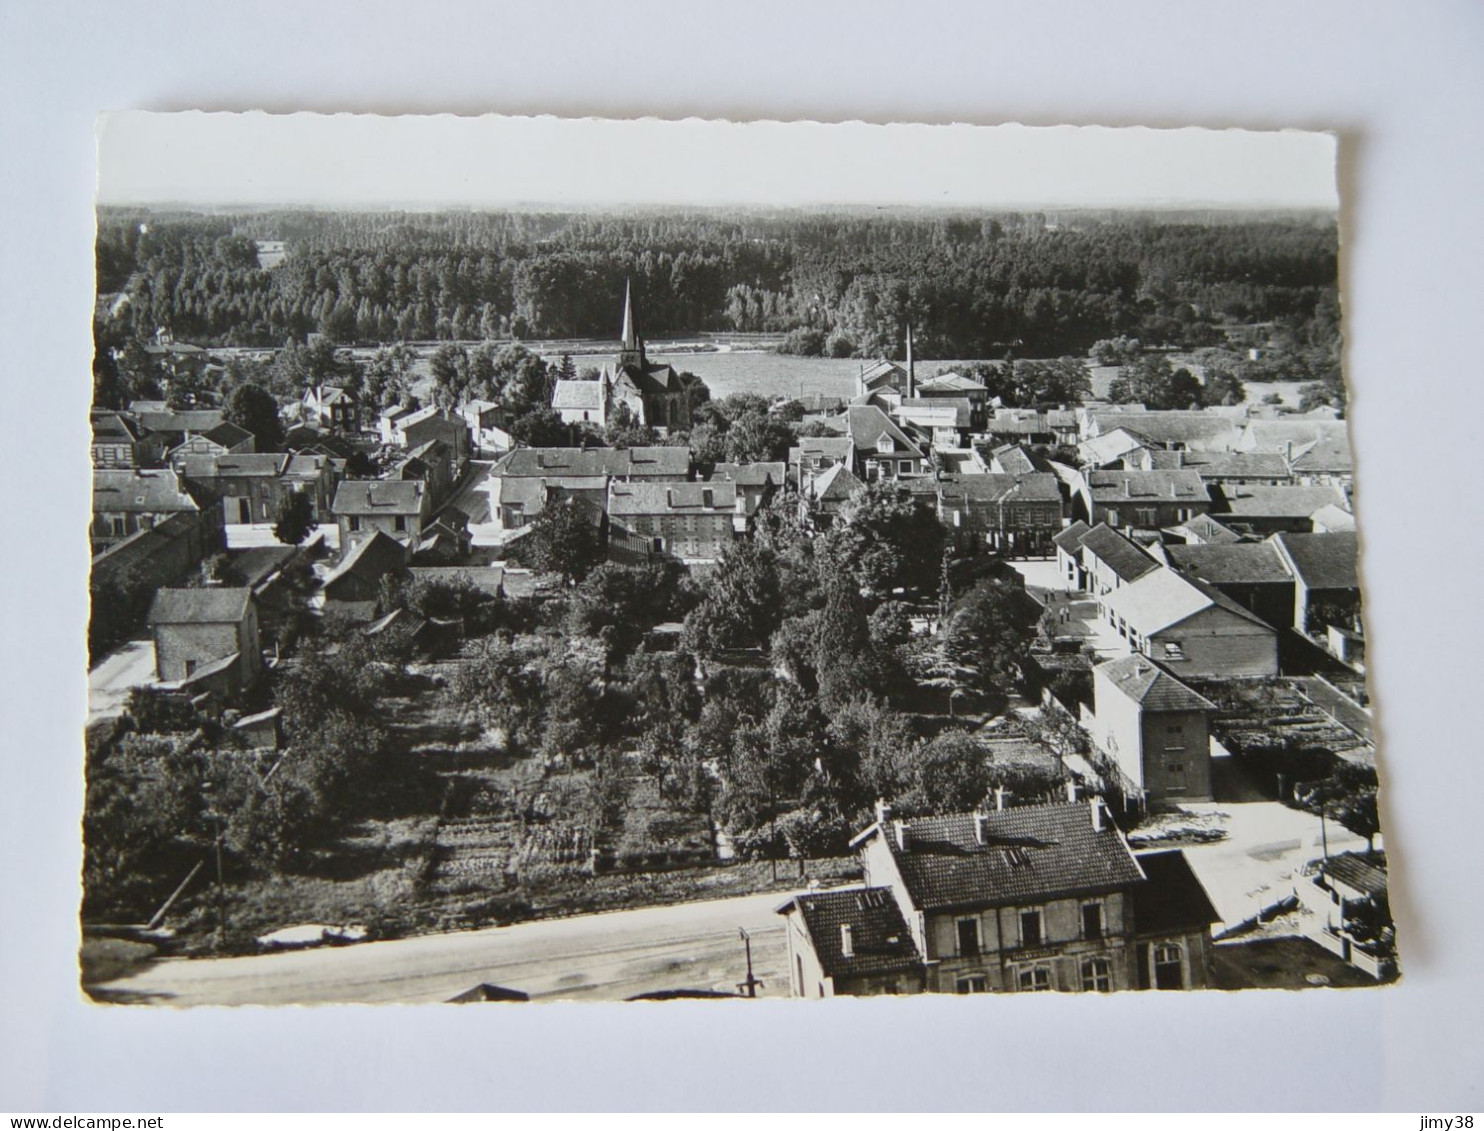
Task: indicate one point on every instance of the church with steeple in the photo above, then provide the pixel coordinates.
(658, 395)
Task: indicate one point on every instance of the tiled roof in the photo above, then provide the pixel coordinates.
(1040, 487)
(593, 461)
(1332, 518)
(236, 465)
(370, 558)
(671, 498)
(833, 483)
(1172, 900)
(1110, 446)
(1276, 435)
(1323, 561)
(206, 605)
(115, 428)
(1125, 559)
(1279, 502)
(378, 496)
(1070, 539)
(1031, 854)
(1172, 427)
(1358, 872)
(950, 383)
(143, 492)
(1012, 459)
(1252, 465)
(1208, 530)
(867, 424)
(186, 420)
(1150, 686)
(1165, 598)
(880, 940)
(1328, 453)
(577, 394)
(935, 411)
(1149, 486)
(1230, 562)
(227, 434)
(834, 447)
(750, 474)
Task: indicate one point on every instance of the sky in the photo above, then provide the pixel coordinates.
(368, 161)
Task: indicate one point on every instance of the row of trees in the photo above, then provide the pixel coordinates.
(971, 285)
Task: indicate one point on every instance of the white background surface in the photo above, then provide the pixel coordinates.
(1401, 82)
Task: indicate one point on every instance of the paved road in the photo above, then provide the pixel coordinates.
(1343, 710)
(132, 665)
(593, 957)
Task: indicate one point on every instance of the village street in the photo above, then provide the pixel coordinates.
(131, 665)
(607, 957)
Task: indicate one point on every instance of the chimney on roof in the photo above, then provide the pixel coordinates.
(1095, 803)
(1174, 492)
(904, 836)
(847, 941)
(981, 823)
(1127, 490)
(1071, 791)
(999, 797)
(883, 811)
(1179, 458)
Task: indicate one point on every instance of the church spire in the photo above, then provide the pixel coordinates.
(628, 338)
(631, 346)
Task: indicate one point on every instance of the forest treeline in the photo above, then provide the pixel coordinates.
(844, 283)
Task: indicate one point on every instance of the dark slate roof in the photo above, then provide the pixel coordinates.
(199, 606)
(671, 498)
(255, 565)
(378, 496)
(115, 428)
(1279, 502)
(880, 941)
(1032, 853)
(1208, 530)
(1150, 686)
(369, 559)
(1120, 555)
(1243, 563)
(585, 462)
(1358, 872)
(866, 425)
(227, 434)
(834, 483)
(1151, 486)
(185, 420)
(234, 466)
(1172, 899)
(1324, 561)
(750, 474)
(1070, 539)
(1039, 487)
(1172, 426)
(138, 491)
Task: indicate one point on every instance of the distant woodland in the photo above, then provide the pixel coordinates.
(844, 284)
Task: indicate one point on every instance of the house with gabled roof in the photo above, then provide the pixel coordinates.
(331, 408)
(1326, 575)
(881, 450)
(1268, 510)
(690, 521)
(825, 492)
(1253, 574)
(206, 638)
(1192, 628)
(582, 402)
(940, 421)
(1326, 460)
(1147, 500)
(1153, 728)
(1034, 898)
(1110, 561)
(1069, 555)
(352, 586)
(245, 486)
(814, 454)
(396, 507)
(1017, 459)
(224, 439)
(1202, 529)
(955, 386)
(1174, 430)
(128, 501)
(121, 441)
(1012, 514)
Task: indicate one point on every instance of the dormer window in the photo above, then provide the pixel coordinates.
(885, 445)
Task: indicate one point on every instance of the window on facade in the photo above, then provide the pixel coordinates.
(1097, 975)
(1145, 516)
(1092, 920)
(968, 937)
(1033, 979)
(1174, 651)
(355, 522)
(399, 524)
(1030, 928)
(1168, 973)
(973, 984)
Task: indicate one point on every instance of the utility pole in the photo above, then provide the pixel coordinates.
(752, 985)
